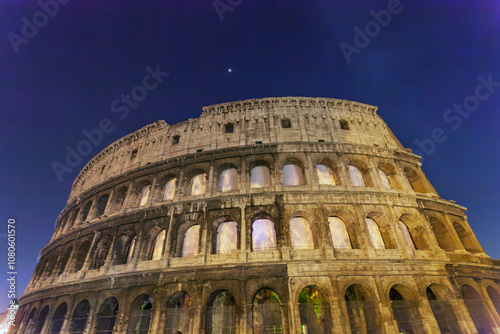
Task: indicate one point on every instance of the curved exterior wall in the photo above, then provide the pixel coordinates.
(408, 259)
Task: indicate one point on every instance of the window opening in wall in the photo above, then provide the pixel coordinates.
(133, 154)
(175, 139)
(263, 235)
(321, 141)
(198, 184)
(102, 169)
(285, 123)
(325, 175)
(344, 125)
(168, 195)
(199, 150)
(227, 238)
(340, 236)
(301, 234)
(356, 177)
(191, 241)
(228, 128)
(292, 175)
(374, 232)
(158, 246)
(260, 177)
(258, 142)
(385, 180)
(144, 195)
(229, 180)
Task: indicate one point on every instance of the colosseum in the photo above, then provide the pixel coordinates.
(274, 215)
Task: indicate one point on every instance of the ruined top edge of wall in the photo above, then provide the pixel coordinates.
(290, 102)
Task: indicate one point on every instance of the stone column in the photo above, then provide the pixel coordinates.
(166, 255)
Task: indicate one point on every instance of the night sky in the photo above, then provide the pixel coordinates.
(63, 78)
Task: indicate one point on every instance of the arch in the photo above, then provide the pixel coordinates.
(227, 238)
(198, 184)
(106, 317)
(389, 173)
(190, 242)
(120, 196)
(84, 213)
(326, 175)
(64, 260)
(477, 309)
(100, 253)
(140, 315)
(293, 175)
(81, 254)
(124, 248)
(79, 317)
(356, 176)
(228, 179)
(30, 321)
(315, 317)
(415, 180)
(101, 204)
(58, 319)
(267, 314)
(386, 183)
(301, 234)
(442, 309)
(465, 238)
(375, 235)
(143, 200)
(40, 320)
(263, 235)
(418, 231)
(260, 177)
(157, 247)
(169, 189)
(338, 231)
(495, 297)
(361, 310)
(72, 220)
(177, 317)
(405, 311)
(407, 235)
(221, 313)
(442, 234)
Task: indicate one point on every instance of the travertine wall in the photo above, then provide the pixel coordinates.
(446, 257)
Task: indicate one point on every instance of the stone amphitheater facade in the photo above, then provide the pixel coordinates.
(273, 215)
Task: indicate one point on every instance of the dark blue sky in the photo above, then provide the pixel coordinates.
(63, 80)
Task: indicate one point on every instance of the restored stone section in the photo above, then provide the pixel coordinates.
(252, 219)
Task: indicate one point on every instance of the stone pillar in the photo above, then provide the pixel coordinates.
(108, 262)
(88, 258)
(126, 202)
(67, 318)
(139, 242)
(166, 255)
(94, 309)
(427, 316)
(453, 234)
(243, 235)
(109, 203)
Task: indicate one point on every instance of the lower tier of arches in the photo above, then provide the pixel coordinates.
(269, 299)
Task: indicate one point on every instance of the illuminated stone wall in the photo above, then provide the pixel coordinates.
(281, 215)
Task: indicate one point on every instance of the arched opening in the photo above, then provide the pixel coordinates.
(101, 205)
(120, 196)
(356, 176)
(267, 316)
(389, 173)
(375, 235)
(40, 321)
(443, 312)
(407, 235)
(178, 313)
(106, 317)
(260, 177)
(325, 175)
(415, 180)
(100, 253)
(169, 192)
(64, 260)
(58, 319)
(221, 314)
(229, 180)
(442, 235)
(79, 318)
(300, 233)
(124, 248)
(314, 312)
(157, 249)
(340, 236)
(495, 298)
(263, 235)
(81, 254)
(198, 184)
(292, 175)
(191, 241)
(143, 200)
(405, 313)
(227, 238)
(477, 309)
(30, 321)
(85, 212)
(384, 179)
(140, 315)
(361, 311)
(465, 238)
(72, 220)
